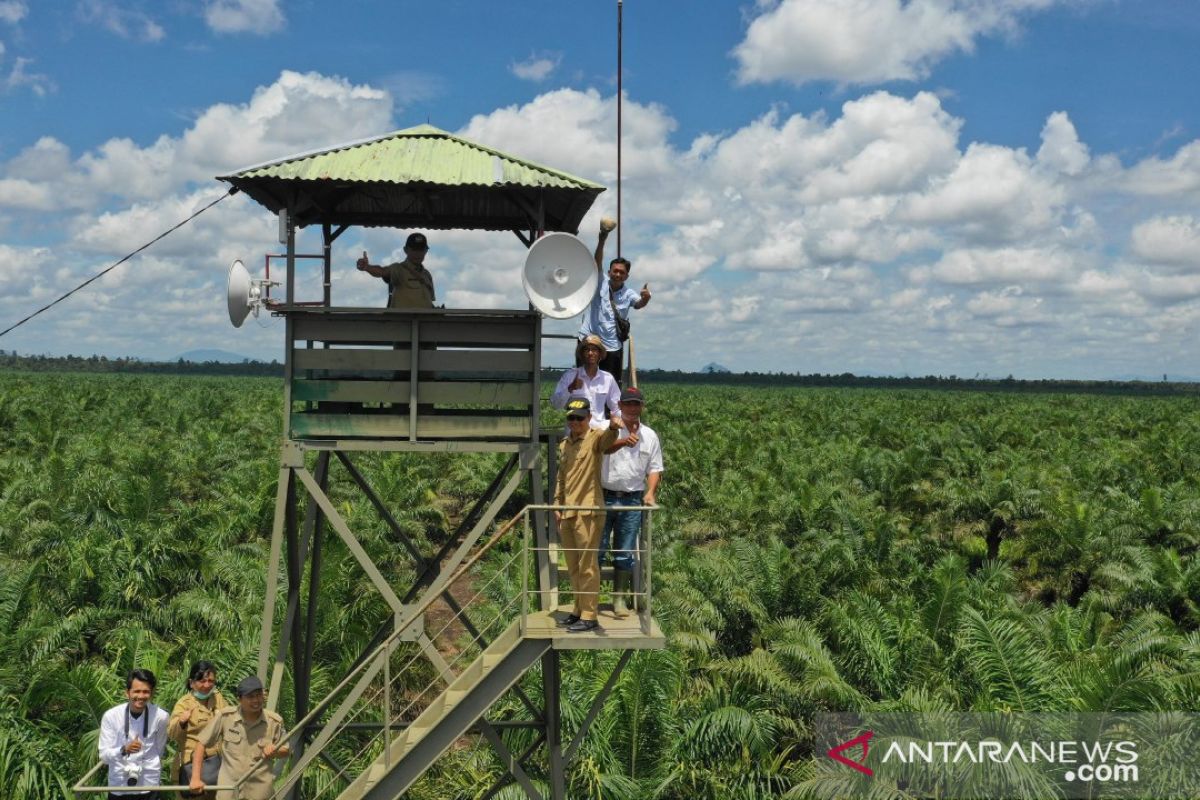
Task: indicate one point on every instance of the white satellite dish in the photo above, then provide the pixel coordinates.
(560, 275)
(243, 293)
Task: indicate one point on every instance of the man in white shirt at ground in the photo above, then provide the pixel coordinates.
(591, 382)
(632, 470)
(133, 737)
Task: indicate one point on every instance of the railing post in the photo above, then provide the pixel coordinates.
(387, 707)
(413, 379)
(525, 574)
(647, 570)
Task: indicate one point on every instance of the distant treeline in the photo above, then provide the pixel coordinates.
(846, 379)
(72, 363)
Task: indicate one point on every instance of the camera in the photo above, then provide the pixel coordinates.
(132, 773)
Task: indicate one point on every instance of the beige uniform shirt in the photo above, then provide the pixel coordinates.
(411, 286)
(241, 748)
(184, 734)
(579, 470)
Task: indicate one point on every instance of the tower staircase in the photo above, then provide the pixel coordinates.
(393, 736)
(449, 716)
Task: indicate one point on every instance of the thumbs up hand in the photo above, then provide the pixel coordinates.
(363, 263)
(645, 293)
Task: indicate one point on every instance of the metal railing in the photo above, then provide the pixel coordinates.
(376, 698)
(82, 787)
(641, 590)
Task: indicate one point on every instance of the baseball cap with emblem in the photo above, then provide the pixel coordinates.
(417, 241)
(578, 408)
(632, 394)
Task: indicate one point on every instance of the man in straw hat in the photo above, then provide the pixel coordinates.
(590, 382)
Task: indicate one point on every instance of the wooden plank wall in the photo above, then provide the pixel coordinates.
(476, 375)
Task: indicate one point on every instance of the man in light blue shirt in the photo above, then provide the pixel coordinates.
(613, 298)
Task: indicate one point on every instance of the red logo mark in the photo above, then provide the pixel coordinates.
(857, 741)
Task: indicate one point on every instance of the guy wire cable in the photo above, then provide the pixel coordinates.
(232, 191)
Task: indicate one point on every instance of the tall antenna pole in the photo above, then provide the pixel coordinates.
(620, 6)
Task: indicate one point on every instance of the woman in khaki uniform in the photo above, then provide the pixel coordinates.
(190, 715)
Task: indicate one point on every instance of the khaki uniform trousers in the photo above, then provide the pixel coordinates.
(580, 536)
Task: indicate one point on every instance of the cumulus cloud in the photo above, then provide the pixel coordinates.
(13, 11)
(20, 76)
(1009, 307)
(536, 68)
(296, 113)
(870, 238)
(993, 193)
(23, 272)
(128, 23)
(867, 41)
(579, 135)
(260, 17)
(20, 193)
(1061, 149)
(1003, 265)
(1173, 176)
(1171, 241)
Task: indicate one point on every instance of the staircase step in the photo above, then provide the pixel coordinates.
(415, 733)
(430, 721)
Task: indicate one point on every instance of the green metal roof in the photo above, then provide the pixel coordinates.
(419, 177)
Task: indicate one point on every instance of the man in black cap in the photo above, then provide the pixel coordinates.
(250, 738)
(409, 284)
(632, 470)
(578, 484)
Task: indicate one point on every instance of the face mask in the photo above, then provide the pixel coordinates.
(202, 695)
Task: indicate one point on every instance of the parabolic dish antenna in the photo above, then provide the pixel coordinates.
(243, 293)
(560, 275)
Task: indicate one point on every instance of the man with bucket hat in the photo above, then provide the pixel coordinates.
(250, 737)
(590, 382)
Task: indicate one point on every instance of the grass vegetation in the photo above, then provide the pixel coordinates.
(818, 549)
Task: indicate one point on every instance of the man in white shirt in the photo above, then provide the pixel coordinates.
(630, 475)
(590, 382)
(133, 737)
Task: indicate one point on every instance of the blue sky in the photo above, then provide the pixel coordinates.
(934, 186)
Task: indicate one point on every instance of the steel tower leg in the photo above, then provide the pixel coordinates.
(552, 684)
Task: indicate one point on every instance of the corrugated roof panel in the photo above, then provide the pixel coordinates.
(422, 178)
(423, 154)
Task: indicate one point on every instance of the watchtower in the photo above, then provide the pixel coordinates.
(378, 380)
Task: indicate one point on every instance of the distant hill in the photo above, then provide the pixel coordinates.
(714, 368)
(1156, 378)
(205, 356)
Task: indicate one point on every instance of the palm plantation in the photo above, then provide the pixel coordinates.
(820, 550)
